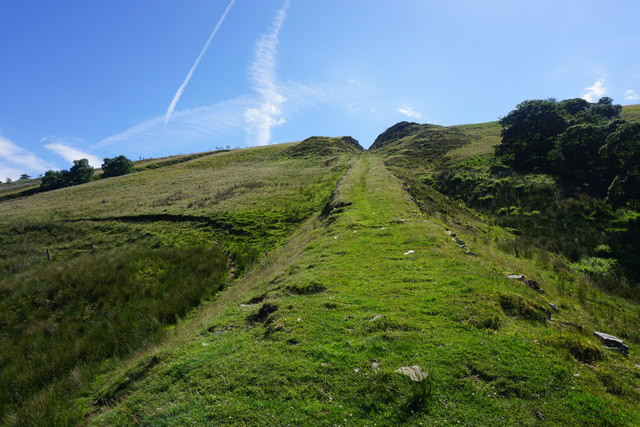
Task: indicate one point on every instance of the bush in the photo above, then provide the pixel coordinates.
(79, 173)
(117, 166)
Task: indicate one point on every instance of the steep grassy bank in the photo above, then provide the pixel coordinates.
(316, 334)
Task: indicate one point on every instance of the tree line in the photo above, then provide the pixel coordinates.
(82, 172)
(586, 143)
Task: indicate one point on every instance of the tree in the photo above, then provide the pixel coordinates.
(529, 133)
(117, 166)
(606, 109)
(577, 156)
(622, 150)
(580, 111)
(80, 172)
(54, 179)
(24, 177)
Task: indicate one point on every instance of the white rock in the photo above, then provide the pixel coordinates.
(410, 251)
(414, 372)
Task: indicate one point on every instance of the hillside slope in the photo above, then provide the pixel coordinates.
(301, 283)
(315, 335)
(131, 255)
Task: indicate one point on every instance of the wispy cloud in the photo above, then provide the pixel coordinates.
(178, 94)
(262, 76)
(224, 123)
(15, 160)
(410, 112)
(190, 130)
(595, 92)
(631, 95)
(70, 153)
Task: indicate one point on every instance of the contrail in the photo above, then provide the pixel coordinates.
(176, 98)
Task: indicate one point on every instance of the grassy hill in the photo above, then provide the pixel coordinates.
(290, 283)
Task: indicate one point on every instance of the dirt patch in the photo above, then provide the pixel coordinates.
(262, 315)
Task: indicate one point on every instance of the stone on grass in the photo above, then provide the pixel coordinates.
(376, 317)
(410, 251)
(414, 372)
(613, 343)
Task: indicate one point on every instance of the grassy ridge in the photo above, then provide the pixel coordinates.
(314, 336)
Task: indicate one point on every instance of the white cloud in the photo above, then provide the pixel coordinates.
(14, 161)
(595, 92)
(70, 154)
(202, 128)
(188, 131)
(178, 94)
(631, 95)
(410, 112)
(262, 74)
(209, 126)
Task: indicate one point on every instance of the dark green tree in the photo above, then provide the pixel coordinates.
(622, 150)
(606, 109)
(574, 107)
(529, 133)
(80, 172)
(24, 176)
(117, 166)
(577, 156)
(54, 179)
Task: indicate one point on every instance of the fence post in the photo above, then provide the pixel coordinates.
(48, 256)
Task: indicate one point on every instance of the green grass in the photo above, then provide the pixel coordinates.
(136, 237)
(329, 356)
(631, 112)
(362, 277)
(60, 320)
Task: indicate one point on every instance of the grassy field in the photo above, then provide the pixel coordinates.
(288, 284)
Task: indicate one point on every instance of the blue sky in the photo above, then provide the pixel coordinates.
(96, 79)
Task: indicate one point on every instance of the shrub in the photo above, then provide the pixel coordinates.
(117, 166)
